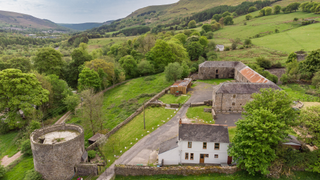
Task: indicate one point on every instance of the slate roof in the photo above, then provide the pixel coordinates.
(95, 137)
(219, 64)
(292, 139)
(168, 145)
(204, 133)
(244, 88)
(182, 83)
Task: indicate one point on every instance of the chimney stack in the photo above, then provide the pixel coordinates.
(180, 121)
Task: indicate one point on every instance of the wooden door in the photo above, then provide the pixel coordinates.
(201, 158)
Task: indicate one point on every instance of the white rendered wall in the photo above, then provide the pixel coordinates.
(170, 157)
(197, 149)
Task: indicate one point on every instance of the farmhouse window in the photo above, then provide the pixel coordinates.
(233, 104)
(216, 146)
(191, 156)
(206, 155)
(217, 71)
(187, 156)
(216, 156)
(204, 145)
(189, 144)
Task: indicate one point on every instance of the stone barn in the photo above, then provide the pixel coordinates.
(231, 97)
(217, 70)
(57, 149)
(181, 86)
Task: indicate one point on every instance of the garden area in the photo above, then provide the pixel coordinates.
(301, 92)
(172, 99)
(198, 115)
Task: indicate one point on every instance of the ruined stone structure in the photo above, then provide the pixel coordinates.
(56, 150)
(231, 97)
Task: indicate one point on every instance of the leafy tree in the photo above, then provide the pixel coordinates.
(2, 171)
(79, 57)
(194, 49)
(225, 14)
(221, 22)
(129, 64)
(316, 79)
(311, 64)
(293, 6)
(160, 55)
(195, 33)
(234, 46)
(48, 61)
(228, 20)
(234, 14)
(192, 24)
(206, 27)
(26, 147)
(21, 63)
(248, 16)
(217, 17)
(185, 70)
(181, 37)
(89, 79)
(173, 71)
(267, 121)
(310, 119)
(262, 12)
(72, 101)
(20, 91)
(276, 9)
(203, 41)
(209, 35)
(263, 62)
(292, 56)
(33, 175)
(268, 11)
(247, 42)
(145, 68)
(216, 26)
(252, 9)
(107, 67)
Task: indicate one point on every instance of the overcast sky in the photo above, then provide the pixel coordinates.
(78, 11)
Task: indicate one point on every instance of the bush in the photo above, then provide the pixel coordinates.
(295, 19)
(226, 48)
(241, 47)
(33, 175)
(26, 147)
(92, 154)
(284, 79)
(209, 35)
(263, 62)
(316, 79)
(292, 56)
(276, 31)
(234, 46)
(277, 65)
(247, 42)
(244, 23)
(2, 171)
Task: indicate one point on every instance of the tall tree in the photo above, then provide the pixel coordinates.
(173, 71)
(19, 91)
(267, 121)
(129, 64)
(89, 79)
(48, 61)
(24, 64)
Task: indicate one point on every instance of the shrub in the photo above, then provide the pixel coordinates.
(2, 171)
(292, 56)
(192, 24)
(244, 23)
(284, 79)
(295, 19)
(33, 175)
(209, 35)
(26, 147)
(241, 47)
(316, 79)
(234, 46)
(247, 42)
(263, 62)
(92, 154)
(276, 31)
(227, 48)
(248, 16)
(277, 65)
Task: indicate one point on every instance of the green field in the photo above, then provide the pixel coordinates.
(242, 175)
(171, 99)
(298, 92)
(7, 144)
(100, 42)
(197, 114)
(19, 170)
(132, 132)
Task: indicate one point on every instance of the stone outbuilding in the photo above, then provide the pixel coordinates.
(181, 86)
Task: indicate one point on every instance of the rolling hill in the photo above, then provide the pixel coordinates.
(84, 26)
(12, 19)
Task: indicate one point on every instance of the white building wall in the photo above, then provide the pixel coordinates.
(171, 157)
(197, 149)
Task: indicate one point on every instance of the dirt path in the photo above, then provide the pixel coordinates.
(5, 161)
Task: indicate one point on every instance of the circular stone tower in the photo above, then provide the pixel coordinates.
(56, 150)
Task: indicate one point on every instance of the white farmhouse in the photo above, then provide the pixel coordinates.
(220, 47)
(196, 144)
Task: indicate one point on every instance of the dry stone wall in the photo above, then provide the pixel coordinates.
(127, 170)
(86, 169)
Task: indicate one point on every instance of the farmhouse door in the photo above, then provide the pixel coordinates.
(201, 158)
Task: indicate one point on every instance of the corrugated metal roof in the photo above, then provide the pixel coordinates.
(253, 76)
(244, 88)
(182, 83)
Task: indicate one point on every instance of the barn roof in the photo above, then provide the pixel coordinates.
(204, 132)
(168, 145)
(182, 83)
(219, 64)
(244, 88)
(253, 76)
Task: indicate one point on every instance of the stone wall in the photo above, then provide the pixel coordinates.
(213, 72)
(102, 139)
(240, 78)
(230, 102)
(57, 161)
(278, 72)
(127, 170)
(86, 169)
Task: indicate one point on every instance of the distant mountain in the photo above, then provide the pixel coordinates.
(84, 26)
(12, 19)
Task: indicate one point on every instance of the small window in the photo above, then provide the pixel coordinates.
(216, 156)
(217, 71)
(234, 96)
(187, 156)
(191, 156)
(189, 144)
(233, 104)
(206, 155)
(204, 145)
(216, 146)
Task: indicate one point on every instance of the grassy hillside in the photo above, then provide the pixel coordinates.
(84, 26)
(24, 21)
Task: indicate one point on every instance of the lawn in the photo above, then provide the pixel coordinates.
(198, 115)
(120, 102)
(232, 133)
(215, 81)
(171, 99)
(242, 175)
(132, 132)
(298, 92)
(7, 144)
(18, 171)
